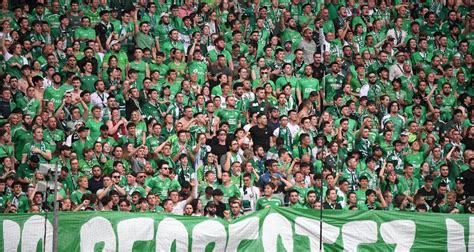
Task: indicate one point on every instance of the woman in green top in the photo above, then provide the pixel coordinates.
(255, 74)
(141, 127)
(76, 46)
(111, 63)
(270, 94)
(401, 203)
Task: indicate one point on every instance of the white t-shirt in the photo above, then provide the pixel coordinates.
(179, 207)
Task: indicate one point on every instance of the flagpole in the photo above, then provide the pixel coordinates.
(321, 220)
(56, 208)
(321, 190)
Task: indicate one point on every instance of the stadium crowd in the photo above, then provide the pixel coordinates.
(221, 108)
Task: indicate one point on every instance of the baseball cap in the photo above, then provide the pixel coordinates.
(34, 159)
(114, 42)
(82, 128)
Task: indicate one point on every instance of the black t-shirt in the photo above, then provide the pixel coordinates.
(217, 149)
(326, 205)
(429, 196)
(468, 176)
(95, 185)
(460, 196)
(261, 136)
(220, 209)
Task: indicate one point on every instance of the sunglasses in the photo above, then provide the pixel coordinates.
(165, 168)
(116, 177)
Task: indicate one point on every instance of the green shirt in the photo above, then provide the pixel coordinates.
(94, 127)
(21, 136)
(24, 171)
(446, 208)
(82, 32)
(14, 70)
(307, 85)
(144, 41)
(159, 186)
(231, 116)
(264, 202)
(53, 136)
(229, 192)
(29, 106)
(20, 201)
(76, 196)
(408, 186)
(213, 55)
(55, 95)
(43, 146)
(78, 146)
(88, 81)
(331, 85)
(137, 188)
(199, 68)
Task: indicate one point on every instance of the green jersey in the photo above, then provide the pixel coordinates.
(366, 207)
(140, 67)
(408, 186)
(283, 80)
(14, 70)
(20, 201)
(159, 186)
(152, 142)
(229, 192)
(214, 53)
(447, 208)
(24, 171)
(79, 145)
(265, 202)
(43, 146)
(307, 85)
(398, 123)
(231, 116)
(6, 151)
(199, 68)
(331, 85)
(415, 159)
(88, 81)
(82, 32)
(129, 190)
(76, 196)
(55, 95)
(53, 136)
(94, 127)
(30, 106)
(21, 137)
(85, 166)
